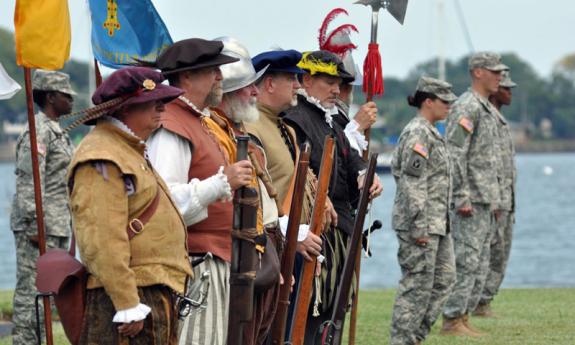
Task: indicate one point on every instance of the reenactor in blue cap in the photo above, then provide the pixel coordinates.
(502, 236)
(53, 94)
(277, 92)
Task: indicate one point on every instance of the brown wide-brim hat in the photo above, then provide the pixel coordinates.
(192, 54)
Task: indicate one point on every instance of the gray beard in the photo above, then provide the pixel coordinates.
(239, 111)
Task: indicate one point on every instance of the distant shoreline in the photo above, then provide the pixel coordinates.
(8, 150)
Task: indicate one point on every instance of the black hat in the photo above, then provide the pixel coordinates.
(190, 54)
(325, 62)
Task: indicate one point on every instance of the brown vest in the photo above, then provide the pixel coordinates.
(214, 233)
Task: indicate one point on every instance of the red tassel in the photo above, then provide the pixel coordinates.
(372, 74)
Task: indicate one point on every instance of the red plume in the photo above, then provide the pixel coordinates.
(340, 49)
(328, 19)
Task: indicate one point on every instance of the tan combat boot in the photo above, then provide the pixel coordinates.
(466, 323)
(484, 310)
(456, 327)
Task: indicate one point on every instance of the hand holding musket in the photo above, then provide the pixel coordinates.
(333, 330)
(244, 257)
(316, 227)
(279, 324)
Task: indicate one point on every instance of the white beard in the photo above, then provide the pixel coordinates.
(240, 111)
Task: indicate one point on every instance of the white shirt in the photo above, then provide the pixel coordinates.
(171, 156)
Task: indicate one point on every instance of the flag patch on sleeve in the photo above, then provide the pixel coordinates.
(466, 124)
(422, 150)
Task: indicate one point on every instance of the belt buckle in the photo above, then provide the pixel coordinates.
(136, 226)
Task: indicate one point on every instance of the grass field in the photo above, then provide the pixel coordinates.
(526, 317)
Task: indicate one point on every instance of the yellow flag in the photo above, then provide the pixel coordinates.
(42, 33)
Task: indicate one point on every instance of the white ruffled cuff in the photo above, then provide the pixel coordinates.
(138, 313)
(352, 132)
(302, 232)
(214, 188)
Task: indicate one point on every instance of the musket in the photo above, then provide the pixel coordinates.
(279, 324)
(373, 84)
(332, 330)
(244, 257)
(316, 227)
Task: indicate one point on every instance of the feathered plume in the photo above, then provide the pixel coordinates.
(91, 113)
(325, 41)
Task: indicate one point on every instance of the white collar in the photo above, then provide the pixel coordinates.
(205, 111)
(119, 124)
(328, 113)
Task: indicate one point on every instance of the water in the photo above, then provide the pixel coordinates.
(543, 250)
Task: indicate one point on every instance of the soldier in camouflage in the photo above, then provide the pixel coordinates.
(501, 241)
(422, 172)
(472, 141)
(53, 95)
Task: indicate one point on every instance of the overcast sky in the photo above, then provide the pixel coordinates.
(539, 31)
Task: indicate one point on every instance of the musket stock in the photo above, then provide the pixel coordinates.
(333, 330)
(279, 324)
(244, 258)
(316, 227)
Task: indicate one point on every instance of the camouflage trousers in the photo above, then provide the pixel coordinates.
(500, 251)
(24, 317)
(428, 277)
(472, 240)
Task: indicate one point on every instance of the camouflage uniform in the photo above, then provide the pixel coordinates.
(54, 154)
(422, 172)
(501, 241)
(472, 138)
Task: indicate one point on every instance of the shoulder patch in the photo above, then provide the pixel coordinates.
(422, 150)
(466, 123)
(42, 149)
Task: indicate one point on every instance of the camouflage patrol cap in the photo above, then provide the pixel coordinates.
(436, 87)
(488, 60)
(506, 80)
(52, 81)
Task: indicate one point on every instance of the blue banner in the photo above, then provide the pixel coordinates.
(126, 30)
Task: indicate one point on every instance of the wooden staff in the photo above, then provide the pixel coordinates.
(288, 259)
(38, 197)
(316, 228)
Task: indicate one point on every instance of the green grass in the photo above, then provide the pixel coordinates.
(526, 317)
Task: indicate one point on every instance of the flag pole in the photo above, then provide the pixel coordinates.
(97, 73)
(38, 197)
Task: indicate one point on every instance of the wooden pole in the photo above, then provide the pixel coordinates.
(38, 196)
(97, 73)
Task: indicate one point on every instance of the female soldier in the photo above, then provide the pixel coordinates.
(421, 170)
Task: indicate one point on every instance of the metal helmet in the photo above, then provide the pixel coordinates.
(241, 73)
(342, 38)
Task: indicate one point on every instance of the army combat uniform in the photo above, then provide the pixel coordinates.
(421, 169)
(471, 140)
(54, 153)
(501, 241)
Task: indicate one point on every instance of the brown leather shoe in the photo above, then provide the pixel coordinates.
(466, 323)
(484, 310)
(455, 327)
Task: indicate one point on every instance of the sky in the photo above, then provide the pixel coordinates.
(538, 31)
